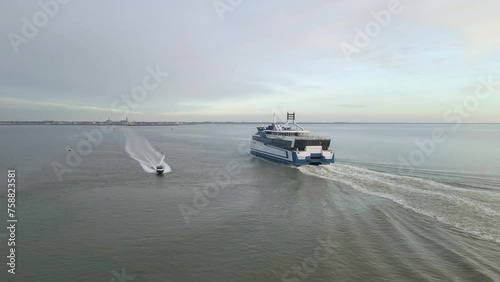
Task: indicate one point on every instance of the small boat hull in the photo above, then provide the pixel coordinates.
(160, 169)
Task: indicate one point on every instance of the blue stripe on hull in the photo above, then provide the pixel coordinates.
(273, 155)
(269, 157)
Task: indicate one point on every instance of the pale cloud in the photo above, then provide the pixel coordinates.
(475, 22)
(263, 54)
(20, 103)
(349, 105)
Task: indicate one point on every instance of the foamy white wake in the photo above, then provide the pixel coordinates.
(141, 150)
(472, 211)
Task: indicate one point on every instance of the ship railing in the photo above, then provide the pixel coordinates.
(309, 137)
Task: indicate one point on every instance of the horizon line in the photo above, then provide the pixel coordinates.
(55, 122)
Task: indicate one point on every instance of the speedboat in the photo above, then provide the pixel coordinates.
(160, 169)
(296, 146)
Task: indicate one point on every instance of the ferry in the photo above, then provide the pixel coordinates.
(296, 146)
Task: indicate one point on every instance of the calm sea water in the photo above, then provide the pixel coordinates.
(223, 215)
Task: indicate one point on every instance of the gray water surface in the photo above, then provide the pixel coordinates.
(224, 215)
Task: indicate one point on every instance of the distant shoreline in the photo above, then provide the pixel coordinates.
(161, 123)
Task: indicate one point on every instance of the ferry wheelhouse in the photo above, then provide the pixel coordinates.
(295, 146)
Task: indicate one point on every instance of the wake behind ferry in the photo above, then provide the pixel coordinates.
(296, 146)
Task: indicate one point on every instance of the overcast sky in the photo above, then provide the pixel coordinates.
(244, 62)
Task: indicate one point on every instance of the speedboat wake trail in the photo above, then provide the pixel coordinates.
(141, 150)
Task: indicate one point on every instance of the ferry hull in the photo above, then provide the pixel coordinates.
(311, 156)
